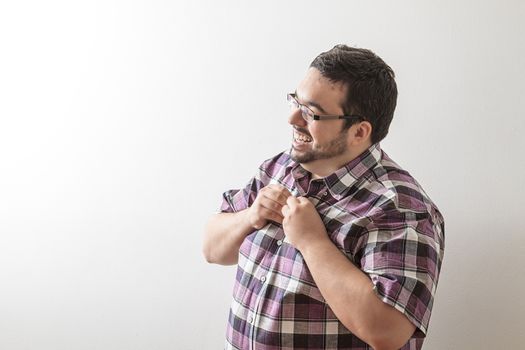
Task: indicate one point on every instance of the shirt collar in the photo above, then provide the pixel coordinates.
(339, 182)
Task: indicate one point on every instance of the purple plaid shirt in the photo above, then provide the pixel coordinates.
(376, 214)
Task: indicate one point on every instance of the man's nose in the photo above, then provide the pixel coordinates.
(296, 118)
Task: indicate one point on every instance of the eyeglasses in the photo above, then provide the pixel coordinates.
(310, 116)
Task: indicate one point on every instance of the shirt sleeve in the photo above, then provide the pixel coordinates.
(402, 253)
(239, 199)
(270, 171)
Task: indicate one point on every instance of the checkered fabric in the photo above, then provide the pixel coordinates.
(376, 214)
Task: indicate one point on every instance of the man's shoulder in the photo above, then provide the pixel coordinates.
(277, 163)
(400, 187)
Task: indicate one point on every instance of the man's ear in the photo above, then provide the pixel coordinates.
(361, 133)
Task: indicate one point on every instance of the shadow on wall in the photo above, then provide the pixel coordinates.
(479, 302)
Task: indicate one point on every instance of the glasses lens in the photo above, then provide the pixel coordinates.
(307, 114)
(292, 102)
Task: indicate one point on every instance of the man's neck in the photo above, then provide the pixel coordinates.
(323, 167)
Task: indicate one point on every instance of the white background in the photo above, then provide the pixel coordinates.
(123, 122)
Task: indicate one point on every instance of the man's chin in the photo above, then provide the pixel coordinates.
(300, 157)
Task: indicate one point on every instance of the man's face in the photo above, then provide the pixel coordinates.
(319, 139)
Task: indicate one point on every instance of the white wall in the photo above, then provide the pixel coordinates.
(123, 122)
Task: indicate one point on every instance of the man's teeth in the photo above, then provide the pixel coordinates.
(302, 138)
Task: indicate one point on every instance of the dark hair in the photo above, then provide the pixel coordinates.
(372, 90)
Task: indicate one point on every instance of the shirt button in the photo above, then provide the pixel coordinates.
(263, 278)
(279, 242)
(324, 193)
(250, 319)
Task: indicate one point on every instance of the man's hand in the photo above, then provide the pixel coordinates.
(301, 223)
(267, 206)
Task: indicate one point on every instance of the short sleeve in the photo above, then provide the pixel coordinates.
(239, 199)
(270, 171)
(402, 253)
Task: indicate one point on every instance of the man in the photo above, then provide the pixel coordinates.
(337, 247)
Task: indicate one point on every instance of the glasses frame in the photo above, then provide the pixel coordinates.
(309, 116)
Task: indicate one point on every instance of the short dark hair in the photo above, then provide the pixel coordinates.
(372, 90)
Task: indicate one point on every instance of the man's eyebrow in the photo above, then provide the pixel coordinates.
(312, 103)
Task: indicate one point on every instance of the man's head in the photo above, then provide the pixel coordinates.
(348, 82)
(371, 88)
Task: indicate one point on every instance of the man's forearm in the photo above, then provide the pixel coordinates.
(349, 292)
(224, 234)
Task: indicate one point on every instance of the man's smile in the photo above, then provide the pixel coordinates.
(301, 138)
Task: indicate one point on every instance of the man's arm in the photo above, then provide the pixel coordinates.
(347, 290)
(350, 294)
(225, 232)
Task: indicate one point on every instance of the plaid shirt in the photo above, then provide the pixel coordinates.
(376, 214)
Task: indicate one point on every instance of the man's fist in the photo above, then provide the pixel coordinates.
(267, 206)
(301, 222)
